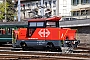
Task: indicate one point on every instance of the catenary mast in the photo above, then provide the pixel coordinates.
(19, 8)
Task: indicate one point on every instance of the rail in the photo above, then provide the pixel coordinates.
(83, 54)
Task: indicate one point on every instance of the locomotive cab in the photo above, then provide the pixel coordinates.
(42, 27)
(40, 23)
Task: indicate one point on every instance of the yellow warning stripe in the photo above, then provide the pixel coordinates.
(65, 34)
(59, 34)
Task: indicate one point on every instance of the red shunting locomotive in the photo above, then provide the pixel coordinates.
(44, 33)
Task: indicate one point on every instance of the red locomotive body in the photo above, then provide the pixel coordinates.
(44, 33)
(47, 34)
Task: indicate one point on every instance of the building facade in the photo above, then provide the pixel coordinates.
(65, 7)
(57, 7)
(74, 8)
(30, 9)
(81, 9)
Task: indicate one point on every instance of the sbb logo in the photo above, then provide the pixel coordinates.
(44, 32)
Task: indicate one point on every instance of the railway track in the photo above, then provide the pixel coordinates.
(6, 47)
(81, 53)
(38, 58)
(42, 54)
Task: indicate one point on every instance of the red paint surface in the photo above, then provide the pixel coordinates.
(47, 34)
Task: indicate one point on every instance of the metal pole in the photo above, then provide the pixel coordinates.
(52, 7)
(42, 9)
(19, 7)
(5, 10)
(57, 7)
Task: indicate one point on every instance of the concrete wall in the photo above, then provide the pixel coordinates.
(83, 34)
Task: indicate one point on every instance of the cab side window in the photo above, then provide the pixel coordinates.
(31, 30)
(50, 24)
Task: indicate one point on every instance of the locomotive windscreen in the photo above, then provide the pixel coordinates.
(36, 24)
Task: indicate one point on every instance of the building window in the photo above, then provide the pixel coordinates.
(54, 12)
(50, 3)
(78, 13)
(37, 4)
(88, 1)
(28, 5)
(85, 1)
(83, 12)
(75, 2)
(46, 4)
(54, 3)
(88, 12)
(33, 4)
(74, 13)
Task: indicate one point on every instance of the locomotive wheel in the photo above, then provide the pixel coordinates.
(49, 47)
(24, 46)
(58, 50)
